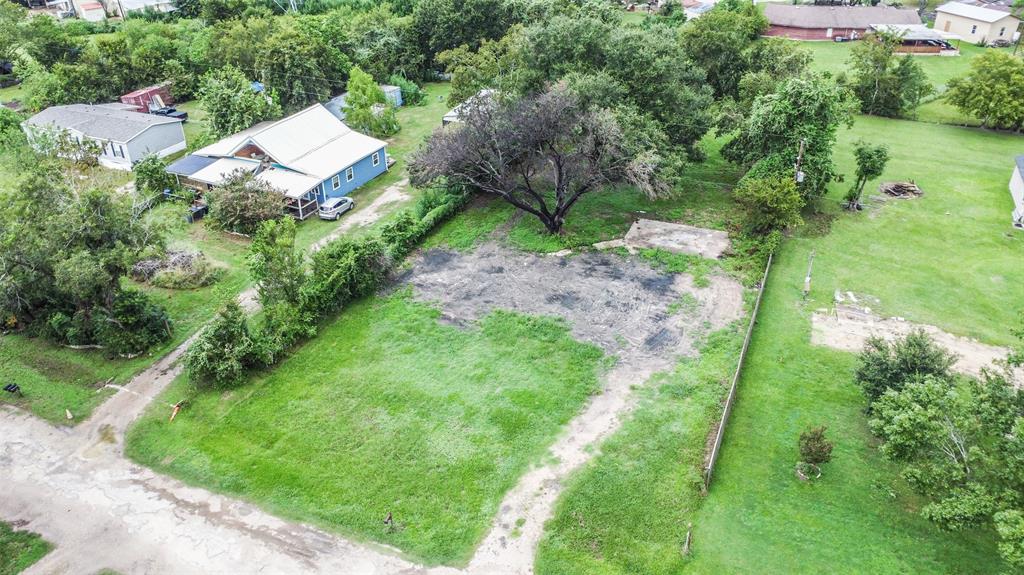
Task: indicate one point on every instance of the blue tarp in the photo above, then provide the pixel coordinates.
(189, 165)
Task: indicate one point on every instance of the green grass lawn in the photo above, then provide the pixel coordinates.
(19, 549)
(949, 259)
(627, 512)
(387, 410)
(604, 215)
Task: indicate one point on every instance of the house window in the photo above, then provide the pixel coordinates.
(1002, 30)
(349, 174)
(974, 29)
(118, 151)
(335, 182)
(376, 155)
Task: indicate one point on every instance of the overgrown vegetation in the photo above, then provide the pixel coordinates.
(958, 438)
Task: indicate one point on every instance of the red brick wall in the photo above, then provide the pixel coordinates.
(809, 33)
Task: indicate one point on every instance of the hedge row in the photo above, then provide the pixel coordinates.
(341, 272)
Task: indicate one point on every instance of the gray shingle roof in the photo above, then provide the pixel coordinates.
(101, 122)
(860, 17)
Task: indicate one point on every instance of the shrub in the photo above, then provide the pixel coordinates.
(177, 270)
(151, 175)
(224, 351)
(342, 271)
(884, 366)
(133, 325)
(412, 94)
(814, 448)
(770, 203)
(241, 203)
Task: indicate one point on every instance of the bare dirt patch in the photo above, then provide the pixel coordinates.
(644, 317)
(622, 305)
(848, 326)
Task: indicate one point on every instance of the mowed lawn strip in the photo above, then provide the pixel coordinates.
(627, 512)
(388, 410)
(19, 549)
(949, 259)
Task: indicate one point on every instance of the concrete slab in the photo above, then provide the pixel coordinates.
(677, 238)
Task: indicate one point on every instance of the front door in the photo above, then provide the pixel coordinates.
(946, 27)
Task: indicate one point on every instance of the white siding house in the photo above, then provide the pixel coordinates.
(974, 23)
(125, 136)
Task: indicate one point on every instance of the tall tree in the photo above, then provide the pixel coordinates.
(232, 103)
(366, 107)
(885, 83)
(541, 153)
(992, 91)
(806, 111)
(717, 42)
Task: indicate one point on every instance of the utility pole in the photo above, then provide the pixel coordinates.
(799, 160)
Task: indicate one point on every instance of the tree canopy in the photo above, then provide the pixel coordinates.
(540, 153)
(993, 90)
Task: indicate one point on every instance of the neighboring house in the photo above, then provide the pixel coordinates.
(336, 105)
(455, 114)
(974, 23)
(90, 11)
(920, 39)
(149, 98)
(125, 136)
(829, 22)
(309, 156)
(1017, 193)
(156, 5)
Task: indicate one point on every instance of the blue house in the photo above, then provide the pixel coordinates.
(309, 156)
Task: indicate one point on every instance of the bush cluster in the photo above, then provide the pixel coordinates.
(131, 325)
(340, 273)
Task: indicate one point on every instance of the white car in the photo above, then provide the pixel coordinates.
(334, 207)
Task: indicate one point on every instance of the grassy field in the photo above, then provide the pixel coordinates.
(627, 511)
(55, 379)
(948, 259)
(19, 549)
(386, 411)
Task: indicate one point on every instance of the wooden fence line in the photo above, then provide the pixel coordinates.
(735, 380)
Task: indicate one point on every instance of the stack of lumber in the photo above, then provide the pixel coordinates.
(901, 189)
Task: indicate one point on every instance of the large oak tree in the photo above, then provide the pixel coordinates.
(541, 153)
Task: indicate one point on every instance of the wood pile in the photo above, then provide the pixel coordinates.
(901, 189)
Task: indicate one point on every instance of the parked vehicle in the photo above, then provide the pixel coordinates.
(334, 207)
(171, 113)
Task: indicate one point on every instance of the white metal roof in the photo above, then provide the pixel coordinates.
(973, 12)
(291, 184)
(312, 141)
(218, 171)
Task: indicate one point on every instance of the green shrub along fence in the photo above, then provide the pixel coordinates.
(709, 467)
(343, 271)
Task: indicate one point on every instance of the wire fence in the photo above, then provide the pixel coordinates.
(720, 432)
